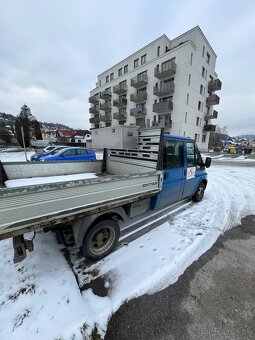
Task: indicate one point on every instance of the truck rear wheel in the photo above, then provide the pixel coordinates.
(199, 194)
(100, 240)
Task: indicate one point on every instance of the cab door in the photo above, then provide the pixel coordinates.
(173, 169)
(193, 169)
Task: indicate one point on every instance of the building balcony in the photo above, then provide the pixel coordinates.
(106, 94)
(163, 107)
(94, 109)
(94, 120)
(138, 97)
(105, 107)
(94, 99)
(138, 112)
(120, 103)
(213, 115)
(209, 128)
(119, 116)
(164, 89)
(140, 80)
(105, 118)
(165, 71)
(214, 85)
(120, 88)
(213, 99)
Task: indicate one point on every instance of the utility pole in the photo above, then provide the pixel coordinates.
(23, 140)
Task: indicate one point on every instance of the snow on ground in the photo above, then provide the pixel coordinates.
(40, 298)
(15, 156)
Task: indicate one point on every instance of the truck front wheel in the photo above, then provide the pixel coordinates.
(199, 194)
(100, 240)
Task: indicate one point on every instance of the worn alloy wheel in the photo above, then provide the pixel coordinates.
(100, 240)
(199, 194)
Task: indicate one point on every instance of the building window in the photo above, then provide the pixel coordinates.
(120, 72)
(142, 76)
(123, 84)
(191, 58)
(136, 63)
(208, 58)
(189, 79)
(158, 51)
(167, 65)
(125, 69)
(199, 106)
(187, 99)
(99, 83)
(111, 76)
(108, 124)
(143, 59)
(183, 133)
(201, 89)
(203, 72)
(203, 53)
(107, 79)
(186, 115)
(197, 122)
(203, 138)
(197, 136)
(122, 122)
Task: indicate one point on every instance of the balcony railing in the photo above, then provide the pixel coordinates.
(122, 102)
(138, 97)
(164, 89)
(166, 70)
(94, 120)
(105, 107)
(106, 94)
(163, 107)
(214, 85)
(94, 99)
(105, 118)
(209, 128)
(94, 109)
(120, 88)
(138, 112)
(212, 115)
(167, 124)
(119, 116)
(213, 99)
(140, 80)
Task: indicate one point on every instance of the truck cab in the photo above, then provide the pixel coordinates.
(184, 173)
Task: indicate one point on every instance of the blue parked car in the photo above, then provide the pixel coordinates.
(71, 154)
(37, 156)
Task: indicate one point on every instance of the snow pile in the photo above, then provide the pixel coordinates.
(40, 298)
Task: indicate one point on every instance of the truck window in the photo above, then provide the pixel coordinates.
(191, 160)
(193, 155)
(172, 155)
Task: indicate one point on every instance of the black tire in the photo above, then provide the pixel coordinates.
(199, 194)
(100, 240)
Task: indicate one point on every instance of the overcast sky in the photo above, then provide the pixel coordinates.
(51, 51)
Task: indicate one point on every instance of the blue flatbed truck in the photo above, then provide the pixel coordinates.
(162, 170)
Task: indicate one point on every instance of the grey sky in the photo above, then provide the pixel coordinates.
(52, 51)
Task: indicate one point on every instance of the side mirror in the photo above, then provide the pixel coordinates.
(208, 162)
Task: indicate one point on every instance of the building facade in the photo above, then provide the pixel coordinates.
(168, 83)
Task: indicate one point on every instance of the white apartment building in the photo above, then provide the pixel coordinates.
(168, 83)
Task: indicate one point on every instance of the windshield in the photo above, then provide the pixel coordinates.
(54, 152)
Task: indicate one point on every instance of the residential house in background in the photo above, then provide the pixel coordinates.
(168, 83)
